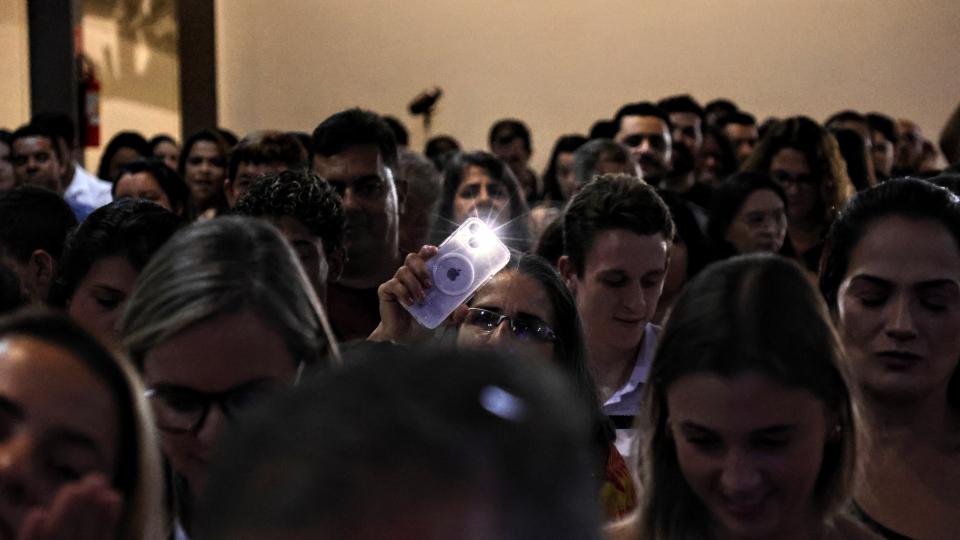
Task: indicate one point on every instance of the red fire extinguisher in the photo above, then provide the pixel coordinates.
(89, 103)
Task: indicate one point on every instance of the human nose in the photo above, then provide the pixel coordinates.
(348, 197)
(739, 475)
(15, 462)
(213, 425)
(501, 336)
(901, 324)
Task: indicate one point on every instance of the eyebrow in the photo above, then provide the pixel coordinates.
(929, 284)
(67, 436)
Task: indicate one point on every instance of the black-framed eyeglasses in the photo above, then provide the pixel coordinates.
(525, 327)
(178, 409)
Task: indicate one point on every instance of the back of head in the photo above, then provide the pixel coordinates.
(265, 147)
(222, 266)
(612, 201)
(303, 196)
(33, 218)
(755, 313)
(133, 229)
(355, 127)
(423, 181)
(587, 158)
(404, 443)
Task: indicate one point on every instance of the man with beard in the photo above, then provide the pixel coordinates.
(686, 118)
(357, 153)
(645, 129)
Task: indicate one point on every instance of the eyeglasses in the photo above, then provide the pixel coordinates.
(524, 327)
(177, 409)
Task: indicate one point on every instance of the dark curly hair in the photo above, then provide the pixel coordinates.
(301, 195)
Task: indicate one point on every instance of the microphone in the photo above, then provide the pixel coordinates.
(425, 101)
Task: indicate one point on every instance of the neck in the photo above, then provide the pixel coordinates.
(610, 366)
(807, 526)
(899, 424)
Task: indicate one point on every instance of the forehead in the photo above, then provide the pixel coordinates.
(740, 130)
(761, 199)
(740, 404)
(249, 168)
(473, 174)
(32, 144)
(790, 159)
(652, 125)
(626, 251)
(138, 181)
(293, 229)
(511, 292)
(218, 353)
(57, 390)
(204, 148)
(354, 162)
(684, 119)
(905, 250)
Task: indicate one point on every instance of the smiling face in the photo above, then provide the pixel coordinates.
(618, 290)
(58, 423)
(760, 224)
(221, 354)
(481, 196)
(751, 450)
(517, 296)
(101, 295)
(899, 309)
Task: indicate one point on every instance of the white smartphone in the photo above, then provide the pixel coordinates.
(470, 256)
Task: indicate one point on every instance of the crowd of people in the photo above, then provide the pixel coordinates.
(708, 327)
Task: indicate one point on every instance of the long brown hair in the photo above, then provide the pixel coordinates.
(756, 313)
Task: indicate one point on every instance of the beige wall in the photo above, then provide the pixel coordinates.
(133, 46)
(14, 64)
(561, 64)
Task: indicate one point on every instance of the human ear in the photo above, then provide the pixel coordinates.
(567, 272)
(229, 193)
(40, 274)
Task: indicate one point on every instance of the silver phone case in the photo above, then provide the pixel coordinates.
(470, 256)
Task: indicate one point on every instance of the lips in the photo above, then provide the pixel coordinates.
(744, 508)
(897, 359)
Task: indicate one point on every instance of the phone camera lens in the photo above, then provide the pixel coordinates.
(474, 228)
(473, 242)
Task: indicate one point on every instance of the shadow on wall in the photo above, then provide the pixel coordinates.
(140, 62)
